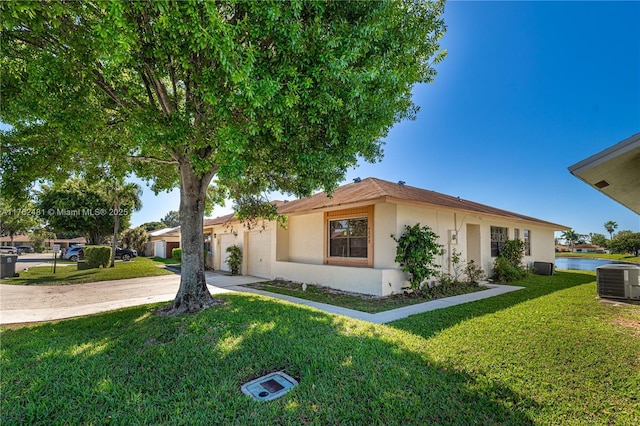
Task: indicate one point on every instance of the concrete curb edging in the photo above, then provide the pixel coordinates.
(394, 314)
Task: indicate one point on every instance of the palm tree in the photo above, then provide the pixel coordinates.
(570, 237)
(125, 198)
(610, 227)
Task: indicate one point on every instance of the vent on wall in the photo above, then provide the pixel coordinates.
(601, 184)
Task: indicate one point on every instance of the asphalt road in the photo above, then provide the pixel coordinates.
(28, 260)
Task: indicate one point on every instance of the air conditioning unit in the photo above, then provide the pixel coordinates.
(618, 281)
(543, 268)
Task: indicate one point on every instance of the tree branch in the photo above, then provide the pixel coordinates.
(148, 159)
(107, 89)
(159, 89)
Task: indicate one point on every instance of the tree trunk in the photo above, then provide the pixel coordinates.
(193, 294)
(116, 225)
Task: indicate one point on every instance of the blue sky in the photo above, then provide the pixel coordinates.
(527, 89)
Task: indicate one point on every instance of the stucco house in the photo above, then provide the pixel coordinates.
(162, 241)
(587, 248)
(344, 241)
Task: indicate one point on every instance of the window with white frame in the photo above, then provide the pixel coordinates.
(499, 236)
(527, 242)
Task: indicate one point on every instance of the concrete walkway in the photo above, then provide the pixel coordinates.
(24, 304)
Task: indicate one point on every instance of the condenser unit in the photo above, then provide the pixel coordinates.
(618, 281)
(543, 268)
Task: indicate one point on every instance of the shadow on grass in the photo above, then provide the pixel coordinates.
(430, 323)
(131, 366)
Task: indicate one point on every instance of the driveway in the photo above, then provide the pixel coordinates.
(27, 304)
(29, 260)
(20, 304)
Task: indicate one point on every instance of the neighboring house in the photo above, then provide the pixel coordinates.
(24, 240)
(587, 248)
(162, 241)
(219, 234)
(344, 242)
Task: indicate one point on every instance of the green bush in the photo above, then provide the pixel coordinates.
(508, 265)
(416, 252)
(234, 261)
(97, 256)
(473, 272)
(176, 254)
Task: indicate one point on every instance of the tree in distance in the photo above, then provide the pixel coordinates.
(248, 97)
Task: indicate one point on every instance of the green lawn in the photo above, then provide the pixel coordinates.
(43, 275)
(549, 354)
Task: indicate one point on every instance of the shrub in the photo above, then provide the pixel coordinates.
(417, 248)
(473, 272)
(235, 259)
(176, 254)
(135, 238)
(508, 265)
(97, 256)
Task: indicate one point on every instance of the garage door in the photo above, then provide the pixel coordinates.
(158, 249)
(259, 254)
(226, 240)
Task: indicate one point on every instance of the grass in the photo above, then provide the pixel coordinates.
(620, 257)
(549, 354)
(359, 302)
(170, 261)
(43, 275)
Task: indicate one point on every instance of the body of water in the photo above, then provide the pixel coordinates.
(581, 264)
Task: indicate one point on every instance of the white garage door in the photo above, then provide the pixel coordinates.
(259, 254)
(226, 240)
(159, 249)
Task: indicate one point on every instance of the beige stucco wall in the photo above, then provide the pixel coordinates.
(298, 251)
(374, 281)
(306, 238)
(384, 221)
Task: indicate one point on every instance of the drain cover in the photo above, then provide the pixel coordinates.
(269, 387)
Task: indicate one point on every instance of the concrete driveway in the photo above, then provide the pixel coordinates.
(20, 304)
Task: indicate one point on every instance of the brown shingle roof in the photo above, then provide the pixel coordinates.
(377, 190)
(221, 220)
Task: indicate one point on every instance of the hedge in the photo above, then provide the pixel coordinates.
(95, 256)
(176, 254)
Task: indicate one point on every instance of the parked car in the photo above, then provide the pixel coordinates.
(72, 253)
(125, 254)
(25, 249)
(9, 250)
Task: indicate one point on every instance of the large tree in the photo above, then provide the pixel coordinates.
(17, 217)
(171, 219)
(77, 207)
(626, 242)
(252, 96)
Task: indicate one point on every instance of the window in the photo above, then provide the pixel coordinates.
(527, 242)
(499, 236)
(348, 237)
(516, 234)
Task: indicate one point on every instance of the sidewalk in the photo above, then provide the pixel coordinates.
(23, 304)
